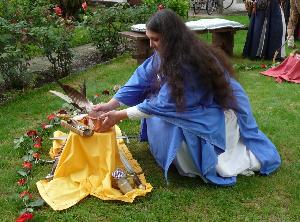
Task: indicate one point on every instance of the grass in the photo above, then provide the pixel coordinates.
(273, 198)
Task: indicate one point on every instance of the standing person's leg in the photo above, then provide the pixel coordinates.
(293, 20)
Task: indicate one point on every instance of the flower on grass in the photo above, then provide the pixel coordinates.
(84, 6)
(24, 217)
(46, 126)
(37, 145)
(51, 116)
(36, 155)
(263, 66)
(25, 193)
(31, 133)
(38, 139)
(58, 11)
(27, 165)
(21, 181)
(38, 142)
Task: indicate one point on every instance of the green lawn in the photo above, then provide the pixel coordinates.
(257, 198)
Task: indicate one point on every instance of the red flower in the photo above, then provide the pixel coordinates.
(45, 126)
(36, 155)
(38, 139)
(58, 11)
(97, 95)
(160, 7)
(84, 6)
(27, 165)
(37, 145)
(24, 194)
(51, 116)
(263, 66)
(31, 133)
(24, 217)
(21, 181)
(38, 142)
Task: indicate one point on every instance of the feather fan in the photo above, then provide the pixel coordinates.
(74, 97)
(62, 96)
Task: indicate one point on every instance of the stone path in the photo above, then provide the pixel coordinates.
(84, 56)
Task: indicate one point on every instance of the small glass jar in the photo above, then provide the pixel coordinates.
(124, 185)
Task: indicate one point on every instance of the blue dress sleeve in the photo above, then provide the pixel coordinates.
(140, 84)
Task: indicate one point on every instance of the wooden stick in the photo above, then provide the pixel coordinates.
(77, 127)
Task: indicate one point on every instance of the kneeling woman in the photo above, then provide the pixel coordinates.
(194, 113)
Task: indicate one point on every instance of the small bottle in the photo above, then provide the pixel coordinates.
(123, 183)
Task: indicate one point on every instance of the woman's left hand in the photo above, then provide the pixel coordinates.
(111, 118)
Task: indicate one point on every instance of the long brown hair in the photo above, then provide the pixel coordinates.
(180, 47)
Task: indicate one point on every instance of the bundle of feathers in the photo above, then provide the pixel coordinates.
(74, 97)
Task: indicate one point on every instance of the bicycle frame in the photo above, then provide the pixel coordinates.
(209, 5)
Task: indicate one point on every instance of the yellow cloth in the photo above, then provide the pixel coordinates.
(85, 168)
(57, 145)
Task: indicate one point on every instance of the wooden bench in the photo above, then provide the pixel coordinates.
(222, 37)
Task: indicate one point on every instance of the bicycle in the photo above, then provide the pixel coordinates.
(213, 5)
(198, 5)
(209, 5)
(227, 3)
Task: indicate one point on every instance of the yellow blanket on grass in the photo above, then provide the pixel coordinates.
(85, 168)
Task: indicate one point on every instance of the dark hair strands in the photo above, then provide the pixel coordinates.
(180, 48)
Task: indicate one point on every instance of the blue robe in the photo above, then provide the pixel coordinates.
(266, 33)
(201, 125)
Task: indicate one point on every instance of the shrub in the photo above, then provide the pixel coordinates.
(12, 33)
(137, 14)
(18, 10)
(55, 43)
(80, 36)
(13, 55)
(106, 23)
(181, 7)
(70, 8)
(104, 26)
(13, 67)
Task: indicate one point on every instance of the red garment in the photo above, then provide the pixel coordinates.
(288, 70)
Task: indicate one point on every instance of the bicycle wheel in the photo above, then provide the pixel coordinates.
(227, 3)
(196, 6)
(210, 6)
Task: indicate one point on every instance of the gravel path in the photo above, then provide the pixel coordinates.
(84, 56)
